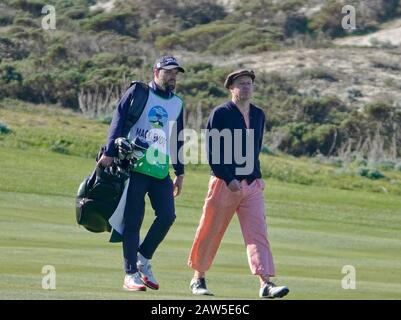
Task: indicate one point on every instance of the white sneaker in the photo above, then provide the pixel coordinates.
(198, 287)
(132, 282)
(270, 290)
(145, 271)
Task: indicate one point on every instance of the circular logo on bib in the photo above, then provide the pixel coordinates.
(158, 117)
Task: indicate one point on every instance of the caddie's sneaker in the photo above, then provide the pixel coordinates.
(132, 282)
(198, 287)
(145, 271)
(270, 290)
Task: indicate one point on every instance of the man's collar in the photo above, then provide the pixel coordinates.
(158, 91)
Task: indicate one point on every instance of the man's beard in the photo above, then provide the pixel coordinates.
(169, 86)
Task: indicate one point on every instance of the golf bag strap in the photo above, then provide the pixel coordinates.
(138, 102)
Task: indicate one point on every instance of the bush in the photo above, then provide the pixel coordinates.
(61, 146)
(77, 13)
(323, 110)
(9, 73)
(361, 162)
(10, 81)
(26, 22)
(199, 66)
(66, 86)
(107, 59)
(39, 87)
(386, 64)
(107, 119)
(378, 10)
(57, 53)
(32, 6)
(305, 139)
(268, 151)
(4, 129)
(319, 73)
(6, 16)
(125, 23)
(335, 162)
(321, 139)
(199, 13)
(150, 33)
(370, 173)
(295, 24)
(10, 50)
(197, 38)
(329, 19)
(378, 111)
(386, 165)
(246, 37)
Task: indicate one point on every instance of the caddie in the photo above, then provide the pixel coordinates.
(162, 112)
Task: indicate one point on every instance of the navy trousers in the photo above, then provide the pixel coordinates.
(160, 192)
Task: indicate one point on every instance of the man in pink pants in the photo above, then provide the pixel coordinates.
(235, 186)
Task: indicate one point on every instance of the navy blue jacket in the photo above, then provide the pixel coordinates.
(228, 116)
(120, 115)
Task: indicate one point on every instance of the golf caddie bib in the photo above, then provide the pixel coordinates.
(153, 126)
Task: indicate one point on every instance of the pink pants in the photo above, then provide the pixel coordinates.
(220, 205)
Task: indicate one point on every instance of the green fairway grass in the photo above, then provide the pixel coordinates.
(314, 231)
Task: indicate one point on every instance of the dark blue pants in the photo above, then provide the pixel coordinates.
(160, 192)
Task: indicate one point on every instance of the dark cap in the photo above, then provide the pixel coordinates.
(168, 62)
(238, 73)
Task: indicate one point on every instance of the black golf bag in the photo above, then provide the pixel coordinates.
(99, 194)
(97, 198)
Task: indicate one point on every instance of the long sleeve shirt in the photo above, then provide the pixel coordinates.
(120, 116)
(228, 116)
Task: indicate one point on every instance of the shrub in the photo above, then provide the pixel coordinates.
(378, 111)
(268, 151)
(243, 36)
(370, 173)
(39, 87)
(6, 17)
(197, 38)
(32, 6)
(329, 19)
(107, 119)
(386, 64)
(107, 59)
(10, 81)
(77, 13)
(61, 146)
(66, 86)
(25, 22)
(4, 129)
(323, 110)
(361, 162)
(335, 161)
(386, 165)
(150, 33)
(57, 53)
(295, 24)
(320, 139)
(9, 73)
(199, 13)
(319, 73)
(199, 66)
(125, 23)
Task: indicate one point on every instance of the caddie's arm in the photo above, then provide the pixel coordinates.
(221, 170)
(177, 157)
(116, 127)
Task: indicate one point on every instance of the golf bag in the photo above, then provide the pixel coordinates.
(98, 197)
(99, 194)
